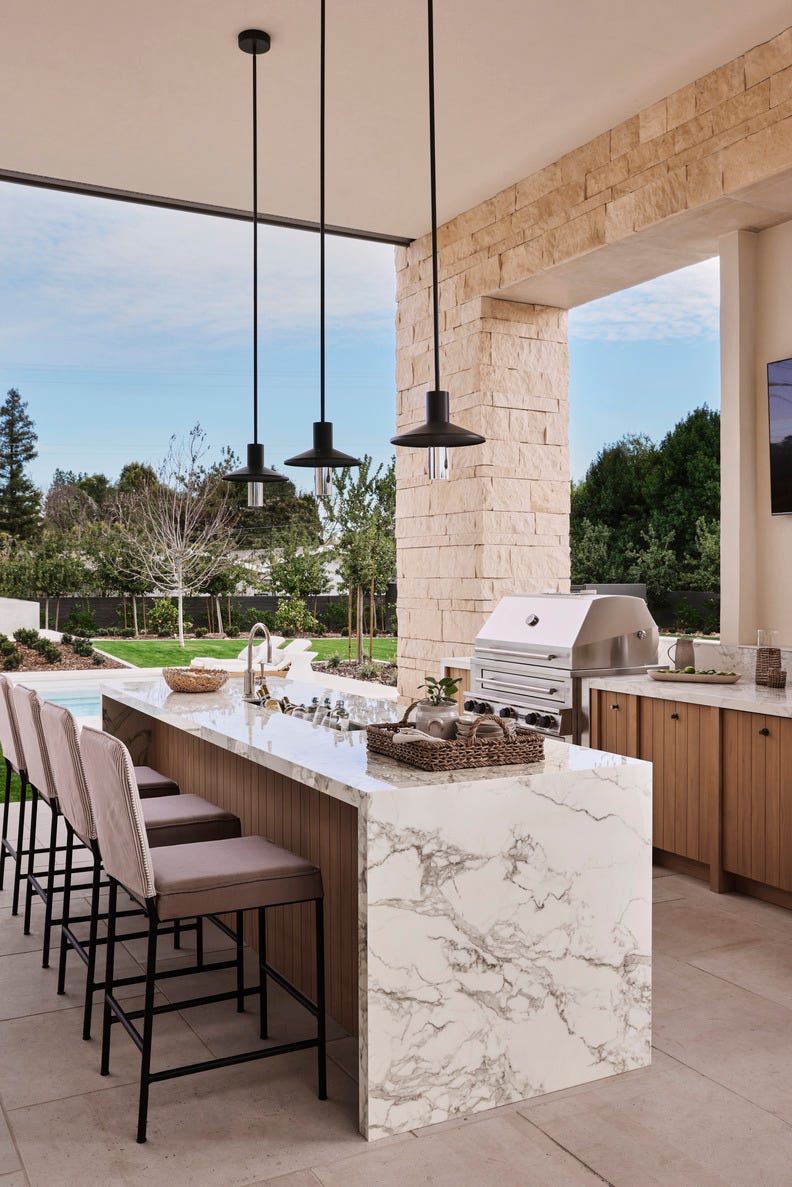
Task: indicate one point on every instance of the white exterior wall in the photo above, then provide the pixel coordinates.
(756, 328)
(14, 613)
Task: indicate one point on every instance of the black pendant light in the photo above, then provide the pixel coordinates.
(438, 434)
(323, 458)
(255, 473)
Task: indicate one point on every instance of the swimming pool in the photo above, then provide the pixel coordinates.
(81, 702)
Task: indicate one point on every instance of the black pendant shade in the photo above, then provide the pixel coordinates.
(323, 457)
(255, 42)
(438, 429)
(438, 432)
(323, 452)
(255, 470)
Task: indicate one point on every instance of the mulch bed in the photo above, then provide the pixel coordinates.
(33, 662)
(385, 673)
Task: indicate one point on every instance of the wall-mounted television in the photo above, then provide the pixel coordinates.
(779, 392)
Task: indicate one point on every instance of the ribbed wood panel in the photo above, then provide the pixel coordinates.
(757, 797)
(316, 826)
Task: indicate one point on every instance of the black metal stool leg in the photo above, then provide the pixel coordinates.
(90, 972)
(321, 1051)
(148, 1023)
(109, 973)
(50, 886)
(6, 809)
(262, 947)
(240, 962)
(64, 943)
(20, 842)
(31, 859)
(177, 933)
(199, 942)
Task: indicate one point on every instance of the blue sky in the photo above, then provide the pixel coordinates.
(124, 324)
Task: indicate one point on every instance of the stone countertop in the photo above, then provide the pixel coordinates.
(744, 695)
(335, 763)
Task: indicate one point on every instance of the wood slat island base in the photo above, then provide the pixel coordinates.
(448, 896)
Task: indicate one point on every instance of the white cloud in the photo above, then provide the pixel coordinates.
(77, 271)
(683, 304)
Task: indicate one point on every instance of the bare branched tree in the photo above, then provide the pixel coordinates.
(178, 531)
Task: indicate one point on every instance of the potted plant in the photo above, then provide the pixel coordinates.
(438, 712)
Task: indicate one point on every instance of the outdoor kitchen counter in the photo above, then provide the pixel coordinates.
(488, 931)
(744, 695)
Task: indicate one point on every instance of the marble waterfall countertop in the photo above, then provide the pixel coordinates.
(333, 762)
(503, 916)
(744, 695)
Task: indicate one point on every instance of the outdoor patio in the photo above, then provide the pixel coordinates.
(722, 1026)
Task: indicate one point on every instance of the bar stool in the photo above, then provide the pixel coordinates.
(192, 881)
(169, 820)
(14, 758)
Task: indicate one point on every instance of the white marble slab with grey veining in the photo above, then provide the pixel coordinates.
(504, 915)
(744, 695)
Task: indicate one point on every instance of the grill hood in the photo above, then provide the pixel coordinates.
(581, 631)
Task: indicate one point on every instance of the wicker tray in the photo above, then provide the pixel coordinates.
(456, 755)
(194, 679)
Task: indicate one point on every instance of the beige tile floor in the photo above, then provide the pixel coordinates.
(714, 1110)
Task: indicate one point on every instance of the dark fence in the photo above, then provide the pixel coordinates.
(109, 612)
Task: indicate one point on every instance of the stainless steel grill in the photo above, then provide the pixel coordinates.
(534, 653)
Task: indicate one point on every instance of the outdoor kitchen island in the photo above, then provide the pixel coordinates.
(487, 931)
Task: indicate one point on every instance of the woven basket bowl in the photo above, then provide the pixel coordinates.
(194, 679)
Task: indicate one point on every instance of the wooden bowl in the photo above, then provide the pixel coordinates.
(194, 679)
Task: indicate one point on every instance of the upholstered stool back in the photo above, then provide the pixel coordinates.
(62, 742)
(117, 811)
(31, 732)
(9, 728)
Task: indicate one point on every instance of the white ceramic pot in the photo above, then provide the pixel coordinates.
(438, 720)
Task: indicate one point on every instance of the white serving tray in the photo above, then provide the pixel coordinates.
(691, 677)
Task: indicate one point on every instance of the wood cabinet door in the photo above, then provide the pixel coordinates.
(682, 742)
(614, 722)
(757, 797)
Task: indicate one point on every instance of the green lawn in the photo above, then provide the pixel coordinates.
(164, 653)
(15, 785)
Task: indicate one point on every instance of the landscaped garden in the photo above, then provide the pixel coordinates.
(163, 653)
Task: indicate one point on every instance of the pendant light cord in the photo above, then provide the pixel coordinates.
(322, 47)
(255, 254)
(433, 189)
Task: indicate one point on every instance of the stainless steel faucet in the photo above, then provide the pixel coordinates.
(259, 626)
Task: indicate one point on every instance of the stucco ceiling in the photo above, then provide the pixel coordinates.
(153, 96)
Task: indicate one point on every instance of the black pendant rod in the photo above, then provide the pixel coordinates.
(433, 188)
(255, 253)
(322, 46)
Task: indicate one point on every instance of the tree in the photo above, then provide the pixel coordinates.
(361, 513)
(20, 501)
(59, 569)
(298, 568)
(178, 532)
(135, 476)
(591, 553)
(635, 487)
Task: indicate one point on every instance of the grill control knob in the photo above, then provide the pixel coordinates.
(547, 722)
(531, 718)
(507, 712)
(470, 706)
(484, 707)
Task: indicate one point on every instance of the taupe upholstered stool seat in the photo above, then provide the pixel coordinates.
(187, 881)
(152, 783)
(14, 761)
(235, 875)
(168, 820)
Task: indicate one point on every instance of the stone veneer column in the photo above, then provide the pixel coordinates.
(501, 525)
